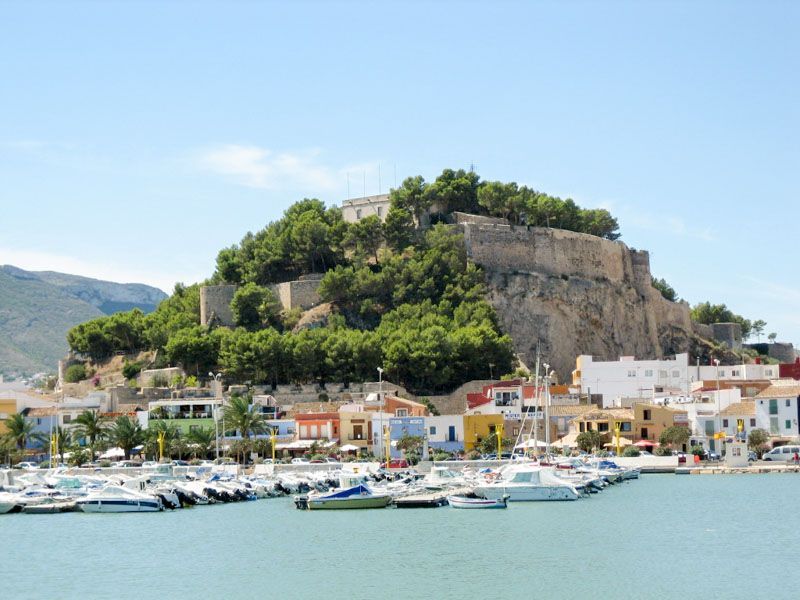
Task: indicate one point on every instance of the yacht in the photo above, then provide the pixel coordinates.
(116, 498)
(528, 483)
(353, 493)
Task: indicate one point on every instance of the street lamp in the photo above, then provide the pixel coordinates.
(719, 415)
(217, 395)
(380, 397)
(547, 375)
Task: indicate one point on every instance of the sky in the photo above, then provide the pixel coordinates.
(139, 138)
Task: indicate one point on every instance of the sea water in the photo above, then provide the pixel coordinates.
(663, 536)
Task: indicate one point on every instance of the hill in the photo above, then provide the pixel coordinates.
(38, 308)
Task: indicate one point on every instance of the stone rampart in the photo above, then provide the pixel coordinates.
(215, 304)
(303, 293)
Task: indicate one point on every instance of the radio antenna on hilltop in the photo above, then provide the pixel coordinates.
(472, 167)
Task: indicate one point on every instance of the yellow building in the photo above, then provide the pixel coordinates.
(650, 420)
(477, 427)
(7, 407)
(605, 420)
(355, 428)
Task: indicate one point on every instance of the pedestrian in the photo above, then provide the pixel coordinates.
(796, 458)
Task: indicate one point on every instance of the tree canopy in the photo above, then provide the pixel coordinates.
(708, 313)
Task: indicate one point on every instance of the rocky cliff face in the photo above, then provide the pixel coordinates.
(573, 294)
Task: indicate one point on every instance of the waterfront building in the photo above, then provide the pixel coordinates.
(605, 421)
(445, 432)
(8, 406)
(778, 409)
(318, 426)
(185, 414)
(355, 426)
(740, 414)
(400, 427)
(479, 426)
(650, 420)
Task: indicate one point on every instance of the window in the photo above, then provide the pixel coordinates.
(38, 421)
(432, 430)
(380, 211)
(734, 373)
(602, 426)
(516, 431)
(709, 427)
(788, 402)
(647, 414)
(314, 431)
(401, 412)
(648, 372)
(644, 432)
(625, 426)
(581, 426)
(773, 425)
(676, 373)
(724, 422)
(768, 372)
(788, 424)
(752, 422)
(68, 418)
(662, 373)
(632, 373)
(773, 407)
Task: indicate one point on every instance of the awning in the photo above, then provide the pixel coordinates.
(349, 448)
(645, 443)
(305, 444)
(113, 453)
(568, 441)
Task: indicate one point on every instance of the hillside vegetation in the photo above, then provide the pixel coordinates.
(402, 298)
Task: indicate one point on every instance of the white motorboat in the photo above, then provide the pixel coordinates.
(468, 502)
(117, 499)
(9, 503)
(526, 483)
(442, 478)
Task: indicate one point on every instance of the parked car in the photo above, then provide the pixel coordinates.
(27, 465)
(397, 463)
(300, 461)
(150, 463)
(782, 453)
(712, 455)
(180, 463)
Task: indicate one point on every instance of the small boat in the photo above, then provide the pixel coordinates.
(352, 494)
(468, 502)
(528, 483)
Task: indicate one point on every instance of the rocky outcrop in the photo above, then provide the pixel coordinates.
(572, 293)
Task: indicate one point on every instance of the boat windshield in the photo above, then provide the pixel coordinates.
(522, 477)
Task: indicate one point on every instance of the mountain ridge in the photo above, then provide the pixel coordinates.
(37, 308)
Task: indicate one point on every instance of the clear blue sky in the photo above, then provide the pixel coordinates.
(136, 139)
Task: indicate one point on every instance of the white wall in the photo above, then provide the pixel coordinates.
(776, 424)
(442, 424)
(632, 378)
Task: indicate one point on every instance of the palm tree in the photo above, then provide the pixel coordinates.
(64, 439)
(201, 440)
(126, 433)
(91, 426)
(21, 431)
(240, 415)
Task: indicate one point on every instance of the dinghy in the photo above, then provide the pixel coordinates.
(468, 502)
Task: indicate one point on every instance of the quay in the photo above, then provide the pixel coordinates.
(723, 470)
(429, 500)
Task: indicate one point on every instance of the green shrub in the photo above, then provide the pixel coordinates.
(75, 373)
(663, 451)
(698, 451)
(131, 369)
(631, 451)
(159, 380)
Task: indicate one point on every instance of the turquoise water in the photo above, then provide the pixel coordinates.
(663, 536)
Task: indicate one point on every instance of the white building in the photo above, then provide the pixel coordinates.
(778, 408)
(748, 372)
(445, 432)
(631, 378)
(355, 209)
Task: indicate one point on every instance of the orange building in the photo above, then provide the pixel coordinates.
(317, 426)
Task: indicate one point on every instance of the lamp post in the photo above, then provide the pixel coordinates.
(216, 378)
(547, 375)
(380, 397)
(718, 420)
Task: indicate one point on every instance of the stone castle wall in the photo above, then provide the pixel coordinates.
(303, 293)
(571, 293)
(215, 302)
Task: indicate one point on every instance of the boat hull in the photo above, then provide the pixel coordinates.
(462, 502)
(539, 493)
(118, 506)
(348, 503)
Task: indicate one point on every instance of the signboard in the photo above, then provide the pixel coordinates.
(680, 418)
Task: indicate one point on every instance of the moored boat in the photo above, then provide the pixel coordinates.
(352, 494)
(116, 499)
(468, 502)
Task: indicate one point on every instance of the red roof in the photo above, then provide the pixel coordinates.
(476, 399)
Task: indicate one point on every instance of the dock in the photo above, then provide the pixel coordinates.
(430, 499)
(723, 470)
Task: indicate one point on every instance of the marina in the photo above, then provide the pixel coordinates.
(699, 522)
